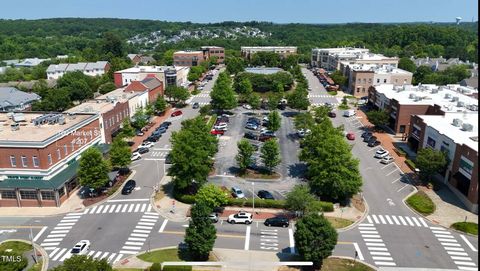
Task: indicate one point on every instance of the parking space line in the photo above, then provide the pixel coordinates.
(391, 172)
(402, 188)
(374, 148)
(397, 180)
(247, 238)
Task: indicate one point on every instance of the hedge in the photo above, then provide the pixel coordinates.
(400, 152)
(177, 268)
(410, 164)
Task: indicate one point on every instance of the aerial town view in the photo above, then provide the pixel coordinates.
(266, 135)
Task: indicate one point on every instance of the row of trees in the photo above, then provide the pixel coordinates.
(269, 155)
(425, 74)
(277, 82)
(222, 95)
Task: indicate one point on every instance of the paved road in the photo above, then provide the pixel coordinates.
(318, 95)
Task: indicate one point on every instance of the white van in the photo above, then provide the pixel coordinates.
(349, 113)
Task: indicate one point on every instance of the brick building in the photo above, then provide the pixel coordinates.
(168, 75)
(188, 58)
(283, 51)
(39, 156)
(214, 51)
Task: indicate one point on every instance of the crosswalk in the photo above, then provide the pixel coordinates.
(375, 245)
(61, 254)
(137, 238)
(59, 232)
(119, 208)
(202, 95)
(201, 103)
(397, 220)
(454, 249)
(322, 103)
(320, 96)
(159, 154)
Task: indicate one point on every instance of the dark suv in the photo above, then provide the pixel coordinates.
(277, 221)
(128, 187)
(264, 194)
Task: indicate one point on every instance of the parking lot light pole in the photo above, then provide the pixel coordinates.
(253, 198)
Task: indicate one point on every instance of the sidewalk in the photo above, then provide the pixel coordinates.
(72, 204)
(156, 122)
(167, 206)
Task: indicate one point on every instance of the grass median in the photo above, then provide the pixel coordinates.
(338, 264)
(468, 227)
(339, 223)
(421, 203)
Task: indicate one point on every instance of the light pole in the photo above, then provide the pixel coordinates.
(253, 197)
(33, 245)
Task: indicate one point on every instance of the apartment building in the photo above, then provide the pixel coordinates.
(283, 51)
(139, 58)
(455, 134)
(214, 51)
(12, 99)
(362, 76)
(55, 71)
(168, 75)
(39, 156)
(136, 98)
(188, 58)
(403, 101)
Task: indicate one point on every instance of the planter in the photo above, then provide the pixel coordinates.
(399, 152)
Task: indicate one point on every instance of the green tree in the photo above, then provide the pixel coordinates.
(273, 100)
(235, 65)
(149, 110)
(303, 121)
(300, 200)
(93, 169)
(298, 100)
(196, 72)
(127, 129)
(274, 121)
(120, 153)
(112, 44)
(320, 113)
(378, 117)
(223, 96)
(211, 195)
(254, 101)
(315, 238)
(83, 262)
(407, 64)
(106, 88)
(244, 156)
(140, 119)
(339, 78)
(270, 154)
(420, 74)
(160, 104)
(429, 162)
(178, 94)
(201, 234)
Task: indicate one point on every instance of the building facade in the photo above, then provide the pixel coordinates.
(188, 58)
(168, 75)
(214, 51)
(39, 156)
(55, 71)
(283, 51)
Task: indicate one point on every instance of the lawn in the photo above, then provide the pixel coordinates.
(16, 247)
(339, 223)
(337, 264)
(468, 227)
(128, 269)
(261, 174)
(421, 203)
(160, 256)
(36, 267)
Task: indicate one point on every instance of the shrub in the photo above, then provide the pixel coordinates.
(400, 152)
(156, 267)
(410, 164)
(421, 203)
(13, 265)
(177, 268)
(188, 199)
(278, 204)
(212, 120)
(468, 227)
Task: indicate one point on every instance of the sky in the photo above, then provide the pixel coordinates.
(277, 11)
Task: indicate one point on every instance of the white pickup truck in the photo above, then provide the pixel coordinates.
(240, 217)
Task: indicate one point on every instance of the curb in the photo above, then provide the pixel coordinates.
(37, 247)
(357, 260)
(140, 253)
(358, 221)
(159, 211)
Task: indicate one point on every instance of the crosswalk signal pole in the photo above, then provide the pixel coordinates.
(33, 245)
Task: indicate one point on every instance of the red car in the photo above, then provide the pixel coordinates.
(217, 132)
(176, 113)
(351, 136)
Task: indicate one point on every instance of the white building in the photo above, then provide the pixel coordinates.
(98, 68)
(168, 75)
(136, 99)
(248, 51)
(331, 58)
(30, 62)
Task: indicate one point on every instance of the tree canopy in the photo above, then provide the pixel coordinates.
(201, 234)
(429, 162)
(223, 96)
(93, 169)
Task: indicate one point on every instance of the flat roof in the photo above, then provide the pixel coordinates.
(260, 70)
(138, 69)
(188, 52)
(28, 132)
(379, 69)
(449, 99)
(94, 106)
(342, 49)
(267, 47)
(118, 94)
(444, 125)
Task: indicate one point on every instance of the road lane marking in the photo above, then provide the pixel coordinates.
(144, 227)
(373, 240)
(65, 224)
(461, 258)
(416, 222)
(402, 187)
(137, 207)
(402, 220)
(409, 221)
(385, 263)
(464, 263)
(450, 244)
(139, 235)
(118, 209)
(397, 179)
(444, 236)
(247, 238)
(120, 255)
(146, 223)
(454, 248)
(380, 253)
(163, 225)
(144, 206)
(134, 243)
(127, 252)
(39, 234)
(375, 219)
(368, 232)
(369, 219)
(359, 252)
(381, 219)
(111, 257)
(370, 236)
(447, 240)
(151, 213)
(375, 244)
(60, 231)
(136, 239)
(382, 258)
(442, 232)
(124, 209)
(131, 247)
(468, 243)
(53, 252)
(53, 240)
(148, 220)
(100, 207)
(377, 248)
(141, 231)
(468, 268)
(124, 200)
(437, 228)
(131, 208)
(63, 228)
(388, 219)
(457, 253)
(59, 254)
(423, 222)
(149, 208)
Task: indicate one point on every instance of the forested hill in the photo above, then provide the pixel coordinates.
(50, 37)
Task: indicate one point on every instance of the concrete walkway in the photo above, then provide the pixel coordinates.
(168, 207)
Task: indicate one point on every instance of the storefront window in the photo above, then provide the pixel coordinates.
(48, 195)
(8, 194)
(28, 194)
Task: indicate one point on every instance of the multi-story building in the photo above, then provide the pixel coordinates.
(151, 84)
(455, 134)
(362, 76)
(333, 58)
(188, 58)
(403, 101)
(112, 111)
(30, 62)
(135, 97)
(168, 75)
(12, 99)
(214, 51)
(55, 71)
(283, 51)
(39, 156)
(139, 58)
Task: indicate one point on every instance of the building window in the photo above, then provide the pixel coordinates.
(59, 155)
(396, 80)
(65, 148)
(48, 195)
(61, 191)
(430, 142)
(363, 90)
(118, 118)
(13, 161)
(72, 145)
(28, 194)
(49, 159)
(378, 80)
(384, 80)
(466, 167)
(402, 129)
(369, 80)
(364, 80)
(24, 161)
(8, 194)
(35, 161)
(359, 80)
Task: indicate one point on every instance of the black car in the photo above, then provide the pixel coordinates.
(250, 135)
(195, 105)
(223, 118)
(168, 159)
(369, 138)
(332, 114)
(142, 150)
(282, 106)
(123, 171)
(373, 143)
(152, 138)
(277, 221)
(161, 130)
(254, 120)
(128, 187)
(366, 134)
(165, 124)
(264, 194)
(130, 143)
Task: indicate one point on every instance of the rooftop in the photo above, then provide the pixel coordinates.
(29, 132)
(342, 49)
(95, 106)
(12, 97)
(119, 94)
(379, 69)
(451, 98)
(153, 69)
(268, 47)
(188, 52)
(81, 66)
(461, 134)
(211, 47)
(260, 70)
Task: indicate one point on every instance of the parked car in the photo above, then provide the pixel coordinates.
(373, 143)
(217, 132)
(135, 156)
(254, 120)
(240, 217)
(147, 144)
(223, 118)
(247, 106)
(176, 113)
(161, 129)
(381, 153)
(332, 114)
(268, 133)
(168, 159)
(368, 138)
(251, 126)
(387, 160)
(165, 124)
(80, 248)
(139, 133)
(195, 105)
(237, 193)
(264, 194)
(250, 135)
(153, 138)
(221, 126)
(350, 136)
(367, 134)
(213, 217)
(142, 150)
(264, 137)
(130, 143)
(123, 171)
(303, 132)
(349, 113)
(128, 187)
(277, 221)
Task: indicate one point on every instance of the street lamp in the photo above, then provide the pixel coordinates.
(33, 245)
(253, 197)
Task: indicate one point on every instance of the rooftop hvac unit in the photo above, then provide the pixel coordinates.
(10, 115)
(457, 122)
(17, 117)
(14, 126)
(61, 119)
(434, 91)
(412, 96)
(460, 104)
(448, 95)
(418, 98)
(472, 107)
(467, 127)
(455, 99)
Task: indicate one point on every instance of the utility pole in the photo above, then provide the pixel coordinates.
(33, 245)
(253, 197)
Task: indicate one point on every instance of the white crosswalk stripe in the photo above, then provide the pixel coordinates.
(139, 235)
(61, 254)
(375, 245)
(60, 231)
(454, 249)
(397, 220)
(116, 208)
